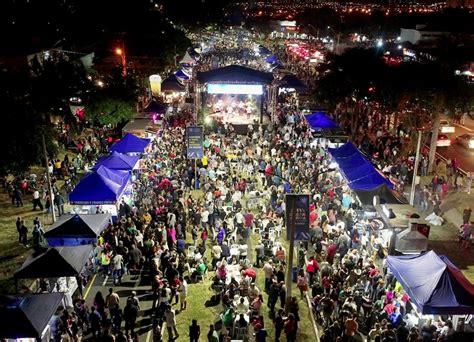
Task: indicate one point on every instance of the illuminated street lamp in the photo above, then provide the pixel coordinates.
(121, 53)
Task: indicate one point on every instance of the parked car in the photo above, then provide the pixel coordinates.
(466, 140)
(446, 127)
(443, 140)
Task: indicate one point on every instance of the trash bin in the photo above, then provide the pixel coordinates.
(294, 273)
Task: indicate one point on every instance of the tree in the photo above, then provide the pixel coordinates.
(110, 110)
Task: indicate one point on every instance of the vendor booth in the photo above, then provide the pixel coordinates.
(118, 161)
(173, 88)
(77, 229)
(28, 317)
(130, 144)
(358, 171)
(62, 266)
(326, 132)
(103, 187)
(234, 94)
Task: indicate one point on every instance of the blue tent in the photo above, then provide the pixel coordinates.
(271, 59)
(263, 50)
(117, 161)
(77, 229)
(130, 144)
(358, 171)
(104, 186)
(433, 283)
(155, 107)
(181, 74)
(319, 120)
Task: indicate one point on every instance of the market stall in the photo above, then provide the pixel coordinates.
(77, 229)
(130, 144)
(62, 266)
(118, 161)
(28, 317)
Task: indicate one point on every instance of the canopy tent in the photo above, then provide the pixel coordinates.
(104, 186)
(358, 171)
(172, 84)
(27, 316)
(271, 59)
(276, 66)
(389, 196)
(263, 50)
(130, 144)
(319, 121)
(117, 161)
(434, 284)
(181, 74)
(77, 230)
(411, 241)
(293, 82)
(187, 59)
(235, 74)
(155, 107)
(55, 262)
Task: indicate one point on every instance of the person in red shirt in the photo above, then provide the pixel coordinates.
(250, 272)
(331, 251)
(312, 268)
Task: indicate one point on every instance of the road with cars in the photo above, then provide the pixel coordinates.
(456, 150)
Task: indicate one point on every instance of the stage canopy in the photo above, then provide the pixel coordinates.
(117, 161)
(130, 144)
(103, 186)
(55, 262)
(358, 171)
(319, 121)
(77, 230)
(389, 196)
(172, 84)
(293, 82)
(433, 283)
(155, 107)
(26, 316)
(235, 74)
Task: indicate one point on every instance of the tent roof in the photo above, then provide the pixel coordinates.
(187, 59)
(390, 196)
(235, 73)
(55, 262)
(117, 161)
(172, 83)
(411, 241)
(130, 144)
(291, 81)
(27, 316)
(319, 120)
(358, 171)
(181, 74)
(271, 59)
(79, 225)
(263, 50)
(155, 107)
(103, 186)
(434, 285)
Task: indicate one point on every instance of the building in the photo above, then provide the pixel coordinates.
(421, 35)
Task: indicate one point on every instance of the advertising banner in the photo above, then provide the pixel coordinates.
(194, 137)
(299, 203)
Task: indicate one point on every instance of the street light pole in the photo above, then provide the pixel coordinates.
(415, 169)
(289, 269)
(48, 179)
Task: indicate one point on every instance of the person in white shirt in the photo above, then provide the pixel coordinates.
(37, 200)
(183, 292)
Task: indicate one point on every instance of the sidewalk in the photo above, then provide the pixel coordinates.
(444, 239)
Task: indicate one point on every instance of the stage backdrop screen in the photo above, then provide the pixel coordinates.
(237, 89)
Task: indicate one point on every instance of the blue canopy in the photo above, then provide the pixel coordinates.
(319, 120)
(271, 59)
(130, 144)
(117, 161)
(263, 50)
(358, 171)
(104, 186)
(433, 283)
(181, 74)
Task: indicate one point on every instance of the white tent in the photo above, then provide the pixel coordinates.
(187, 59)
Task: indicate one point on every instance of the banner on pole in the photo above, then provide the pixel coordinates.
(300, 203)
(194, 137)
